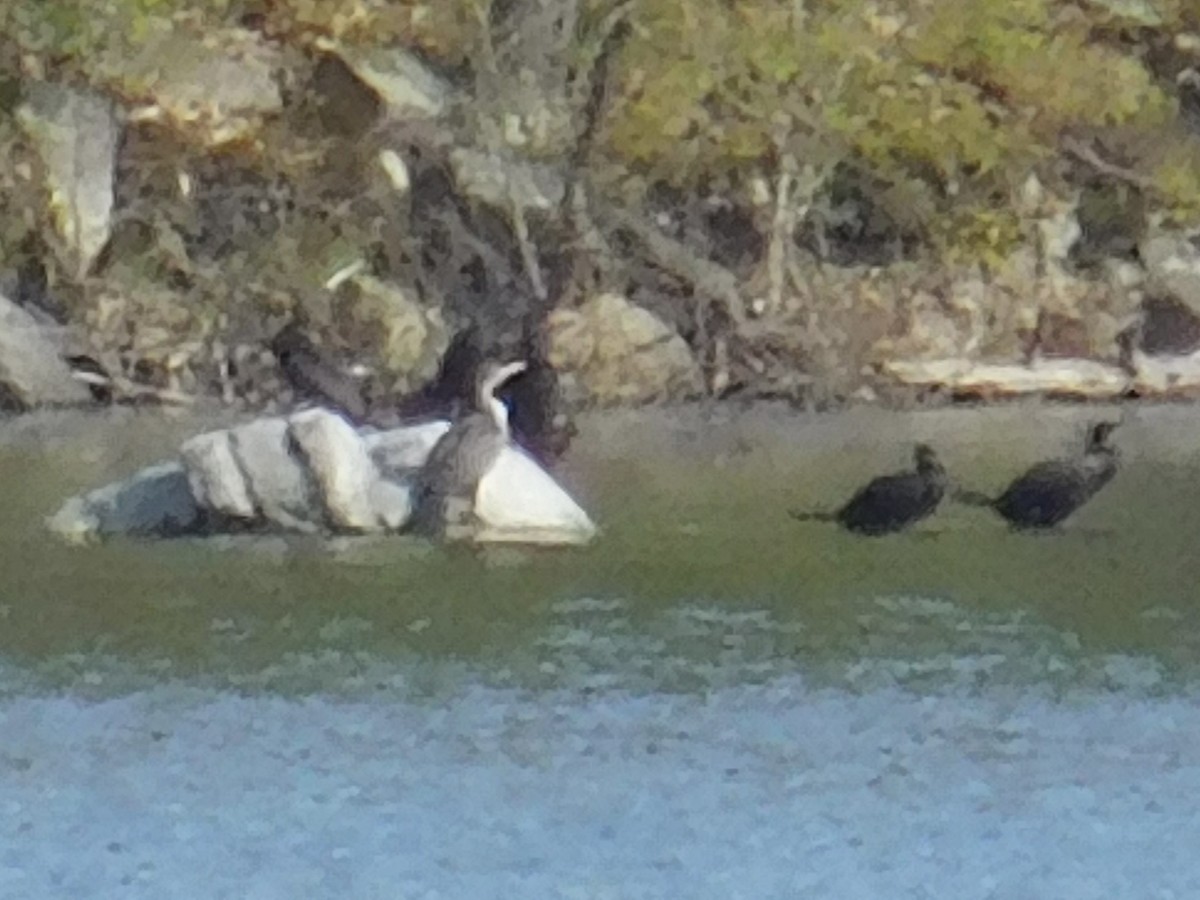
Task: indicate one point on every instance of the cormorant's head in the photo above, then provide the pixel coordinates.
(924, 456)
(290, 339)
(491, 377)
(1099, 433)
(926, 459)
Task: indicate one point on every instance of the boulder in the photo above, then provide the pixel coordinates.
(518, 501)
(155, 502)
(277, 483)
(1172, 264)
(398, 452)
(410, 337)
(341, 467)
(216, 479)
(220, 87)
(32, 373)
(75, 134)
(407, 88)
(618, 353)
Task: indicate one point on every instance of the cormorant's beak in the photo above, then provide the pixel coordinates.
(508, 371)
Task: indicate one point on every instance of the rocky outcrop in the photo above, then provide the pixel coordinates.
(1172, 264)
(32, 373)
(220, 87)
(611, 352)
(76, 134)
(313, 473)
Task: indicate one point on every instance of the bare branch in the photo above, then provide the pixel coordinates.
(708, 278)
(1086, 154)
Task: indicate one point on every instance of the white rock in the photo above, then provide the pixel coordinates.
(76, 135)
(276, 481)
(215, 477)
(393, 502)
(156, 501)
(31, 369)
(341, 467)
(518, 501)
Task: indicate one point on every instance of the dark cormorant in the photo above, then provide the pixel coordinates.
(1051, 491)
(454, 385)
(316, 378)
(464, 454)
(891, 502)
(538, 421)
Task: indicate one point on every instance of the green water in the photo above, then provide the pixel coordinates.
(699, 576)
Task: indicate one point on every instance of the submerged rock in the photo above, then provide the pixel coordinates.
(155, 502)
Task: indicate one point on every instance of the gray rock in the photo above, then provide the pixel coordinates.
(411, 337)
(76, 136)
(406, 86)
(155, 502)
(276, 481)
(618, 353)
(399, 452)
(220, 88)
(216, 479)
(393, 502)
(340, 466)
(1172, 263)
(502, 182)
(31, 371)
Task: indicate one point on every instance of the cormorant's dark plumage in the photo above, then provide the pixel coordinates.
(1051, 491)
(316, 378)
(891, 502)
(464, 454)
(539, 423)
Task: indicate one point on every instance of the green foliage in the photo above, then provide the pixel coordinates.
(67, 30)
(966, 97)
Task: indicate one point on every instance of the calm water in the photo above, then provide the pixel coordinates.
(699, 578)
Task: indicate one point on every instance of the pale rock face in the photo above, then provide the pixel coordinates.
(76, 135)
(215, 477)
(31, 368)
(408, 89)
(276, 481)
(340, 465)
(518, 500)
